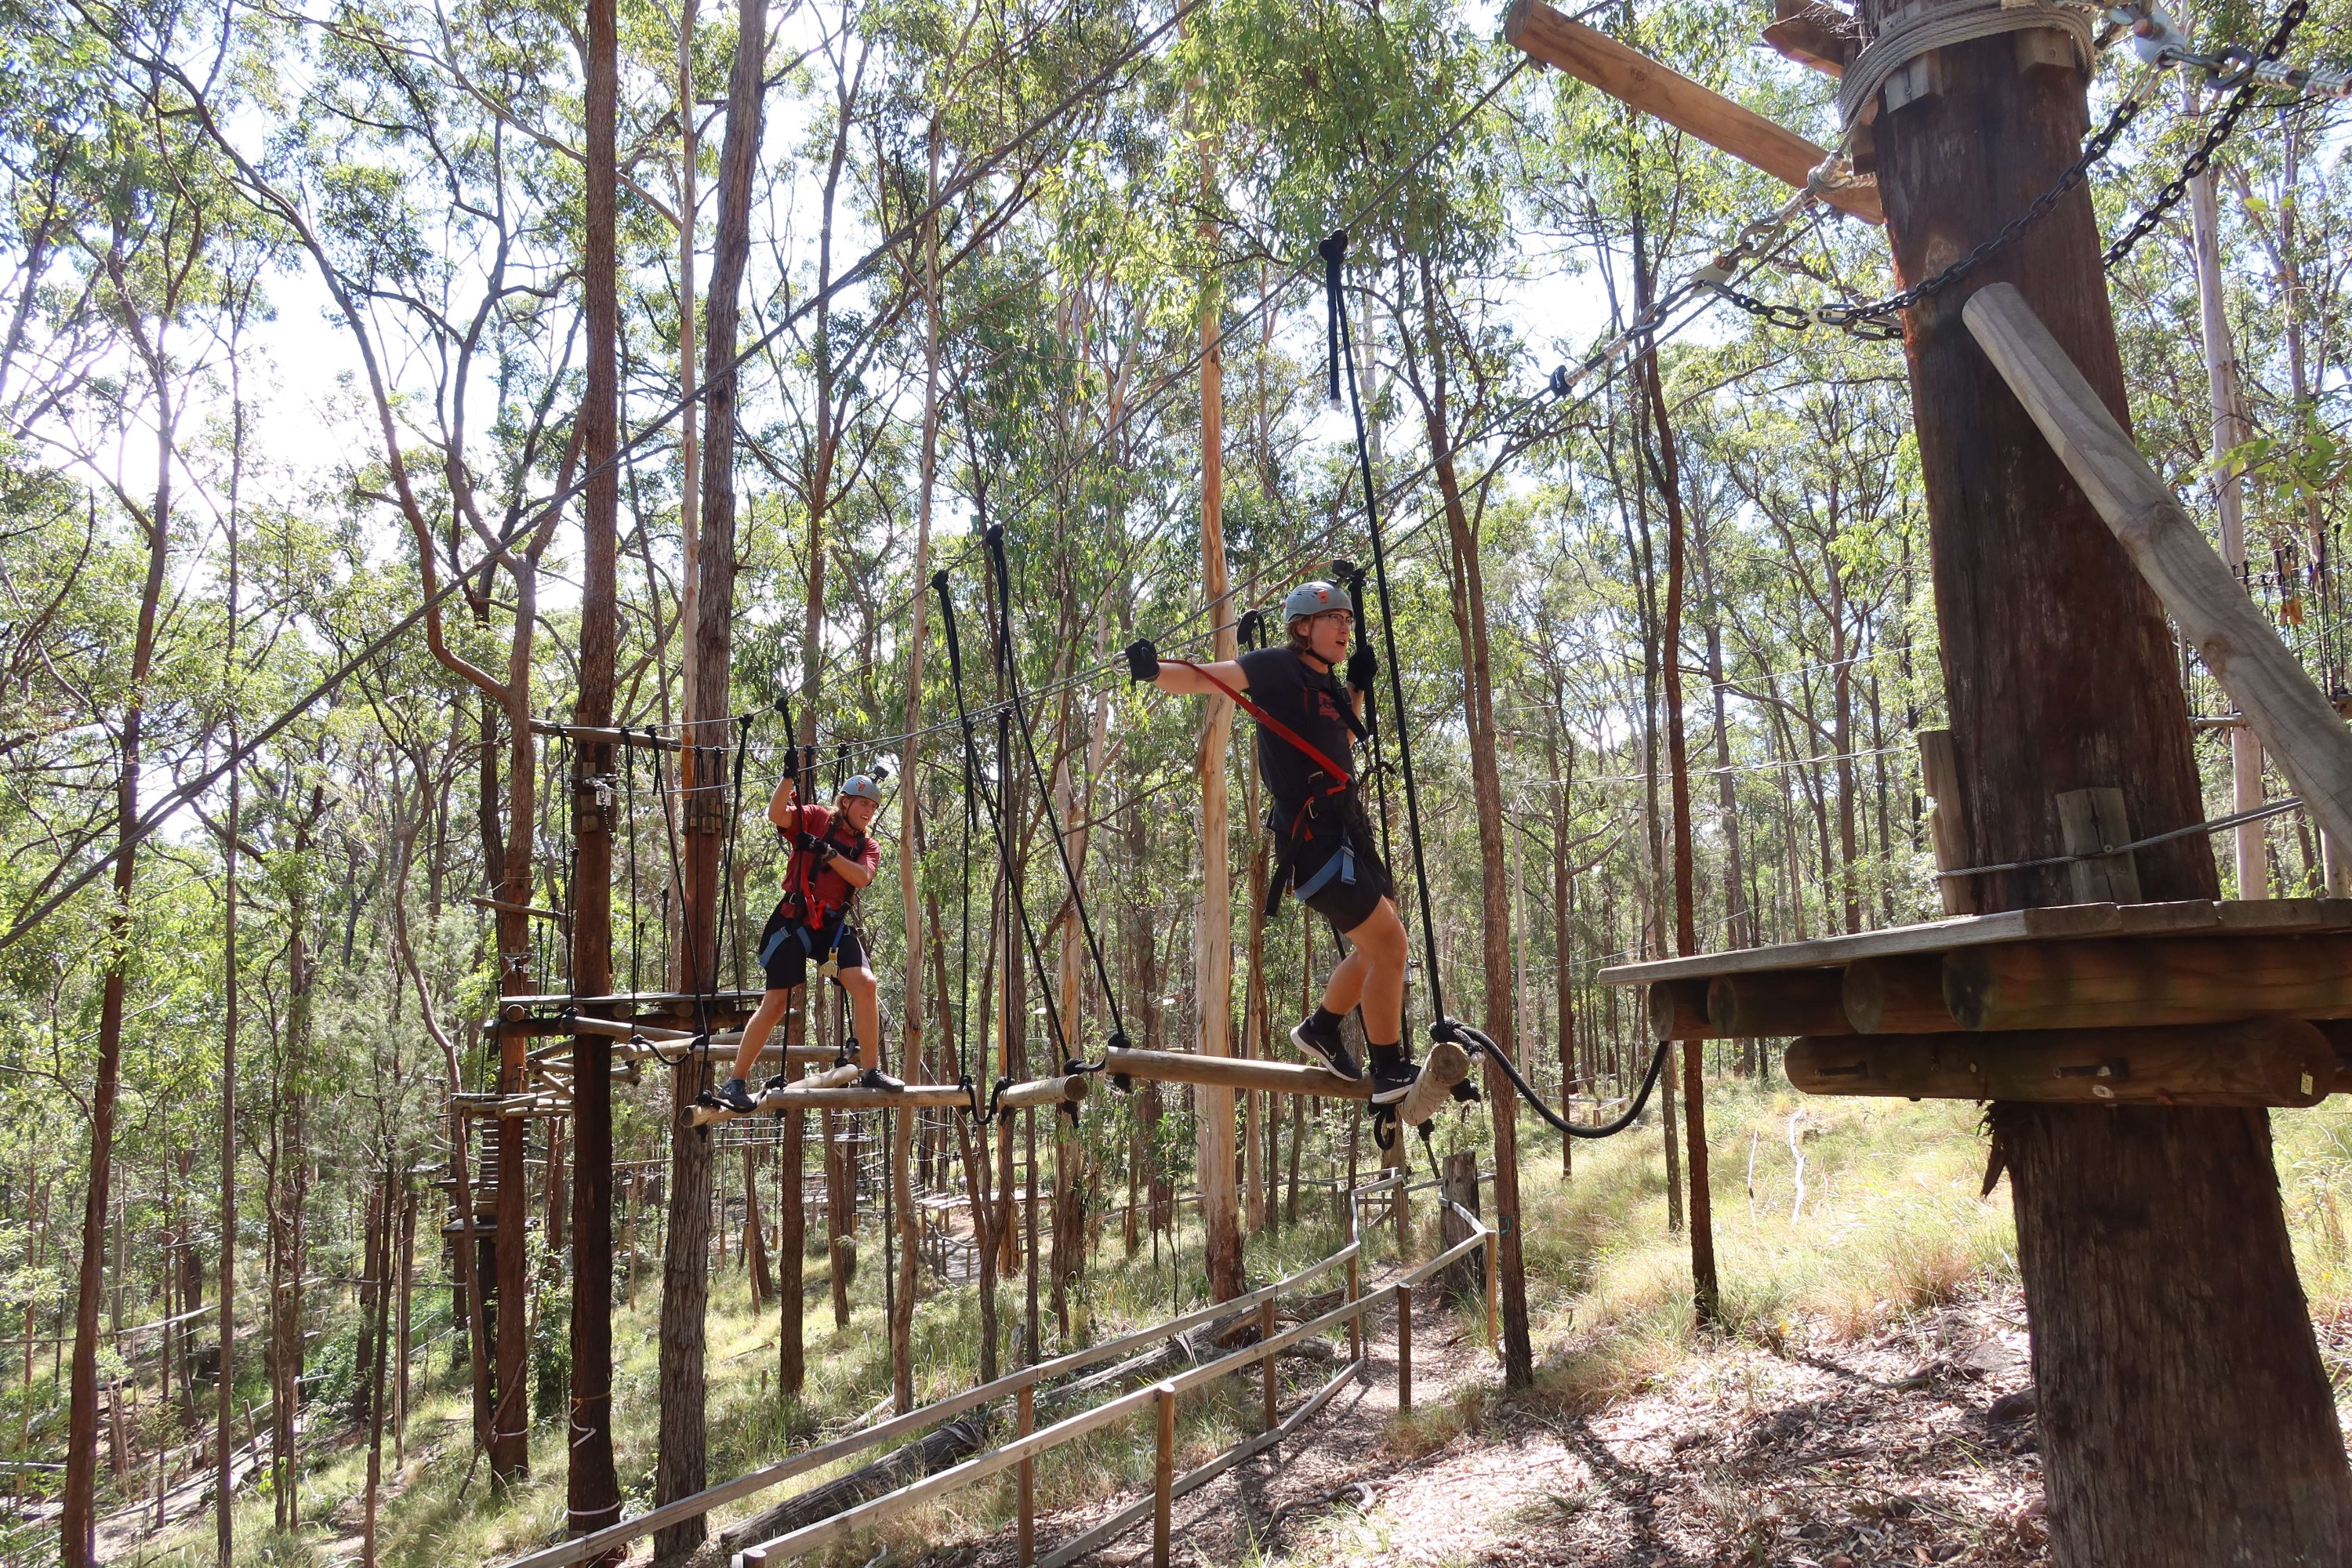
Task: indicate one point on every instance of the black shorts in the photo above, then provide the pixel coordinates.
(1341, 878)
(788, 947)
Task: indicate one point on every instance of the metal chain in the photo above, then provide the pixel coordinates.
(2250, 78)
(1875, 321)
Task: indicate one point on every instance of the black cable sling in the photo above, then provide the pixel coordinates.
(1334, 250)
(996, 822)
(1118, 1040)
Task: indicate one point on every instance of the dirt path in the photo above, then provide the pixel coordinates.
(1909, 1447)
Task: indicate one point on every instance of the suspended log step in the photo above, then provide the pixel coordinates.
(1447, 1064)
(2284, 1062)
(836, 1089)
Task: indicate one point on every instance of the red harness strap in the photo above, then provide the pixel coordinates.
(1342, 779)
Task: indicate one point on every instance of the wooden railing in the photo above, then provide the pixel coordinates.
(1026, 1445)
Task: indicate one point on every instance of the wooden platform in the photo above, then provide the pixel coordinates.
(2185, 917)
(2195, 1002)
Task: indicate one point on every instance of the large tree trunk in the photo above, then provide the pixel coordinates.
(78, 1523)
(1705, 1293)
(1495, 886)
(593, 1491)
(680, 1470)
(2186, 1418)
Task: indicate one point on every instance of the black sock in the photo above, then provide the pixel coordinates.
(1389, 1056)
(1326, 1022)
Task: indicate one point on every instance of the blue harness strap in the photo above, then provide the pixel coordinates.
(791, 929)
(1342, 866)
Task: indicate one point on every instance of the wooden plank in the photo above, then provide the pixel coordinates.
(2257, 1062)
(2290, 714)
(2091, 820)
(1939, 779)
(2137, 981)
(1600, 60)
(1824, 952)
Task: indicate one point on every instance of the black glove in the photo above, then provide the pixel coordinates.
(1362, 666)
(1142, 660)
(809, 844)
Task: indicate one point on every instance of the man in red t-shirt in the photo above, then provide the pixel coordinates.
(831, 858)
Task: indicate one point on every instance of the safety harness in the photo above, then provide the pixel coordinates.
(801, 902)
(1339, 783)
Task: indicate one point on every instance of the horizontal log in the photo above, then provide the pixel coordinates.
(1678, 1011)
(1901, 995)
(1235, 1072)
(1792, 1002)
(2254, 1062)
(2108, 984)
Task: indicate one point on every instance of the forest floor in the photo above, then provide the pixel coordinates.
(1858, 1409)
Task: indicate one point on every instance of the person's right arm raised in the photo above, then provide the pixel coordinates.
(1184, 679)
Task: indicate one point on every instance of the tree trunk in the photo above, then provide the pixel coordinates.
(1705, 1292)
(1486, 788)
(2186, 1418)
(680, 1468)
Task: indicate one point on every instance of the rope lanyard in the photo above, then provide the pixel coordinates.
(1334, 249)
(995, 819)
(1045, 791)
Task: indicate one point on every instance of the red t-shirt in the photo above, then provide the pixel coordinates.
(825, 890)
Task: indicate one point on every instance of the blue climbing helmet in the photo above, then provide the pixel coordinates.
(1313, 599)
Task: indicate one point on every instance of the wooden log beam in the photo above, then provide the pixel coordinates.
(1896, 995)
(1070, 1087)
(1277, 1077)
(1792, 1002)
(1678, 1010)
(2290, 714)
(1600, 60)
(2258, 1062)
(1446, 1064)
(2146, 983)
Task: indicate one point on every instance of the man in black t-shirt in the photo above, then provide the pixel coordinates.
(1326, 850)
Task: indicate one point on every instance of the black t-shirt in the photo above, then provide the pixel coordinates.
(1314, 703)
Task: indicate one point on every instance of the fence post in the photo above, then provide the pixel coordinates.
(1404, 1349)
(1266, 1337)
(1493, 1256)
(1164, 1474)
(1356, 1323)
(1025, 1419)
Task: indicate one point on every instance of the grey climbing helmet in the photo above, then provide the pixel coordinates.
(860, 787)
(1313, 599)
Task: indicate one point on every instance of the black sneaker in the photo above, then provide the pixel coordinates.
(1392, 1080)
(1326, 1046)
(733, 1096)
(874, 1078)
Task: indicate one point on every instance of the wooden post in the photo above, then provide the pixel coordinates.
(1903, 995)
(1355, 1291)
(1273, 1391)
(1213, 948)
(591, 1484)
(1457, 1185)
(1404, 1349)
(1939, 779)
(1164, 1473)
(1494, 1239)
(1025, 1423)
(2060, 676)
(1784, 1002)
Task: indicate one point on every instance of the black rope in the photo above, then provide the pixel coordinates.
(1045, 798)
(996, 822)
(1335, 251)
(629, 796)
(1442, 1028)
